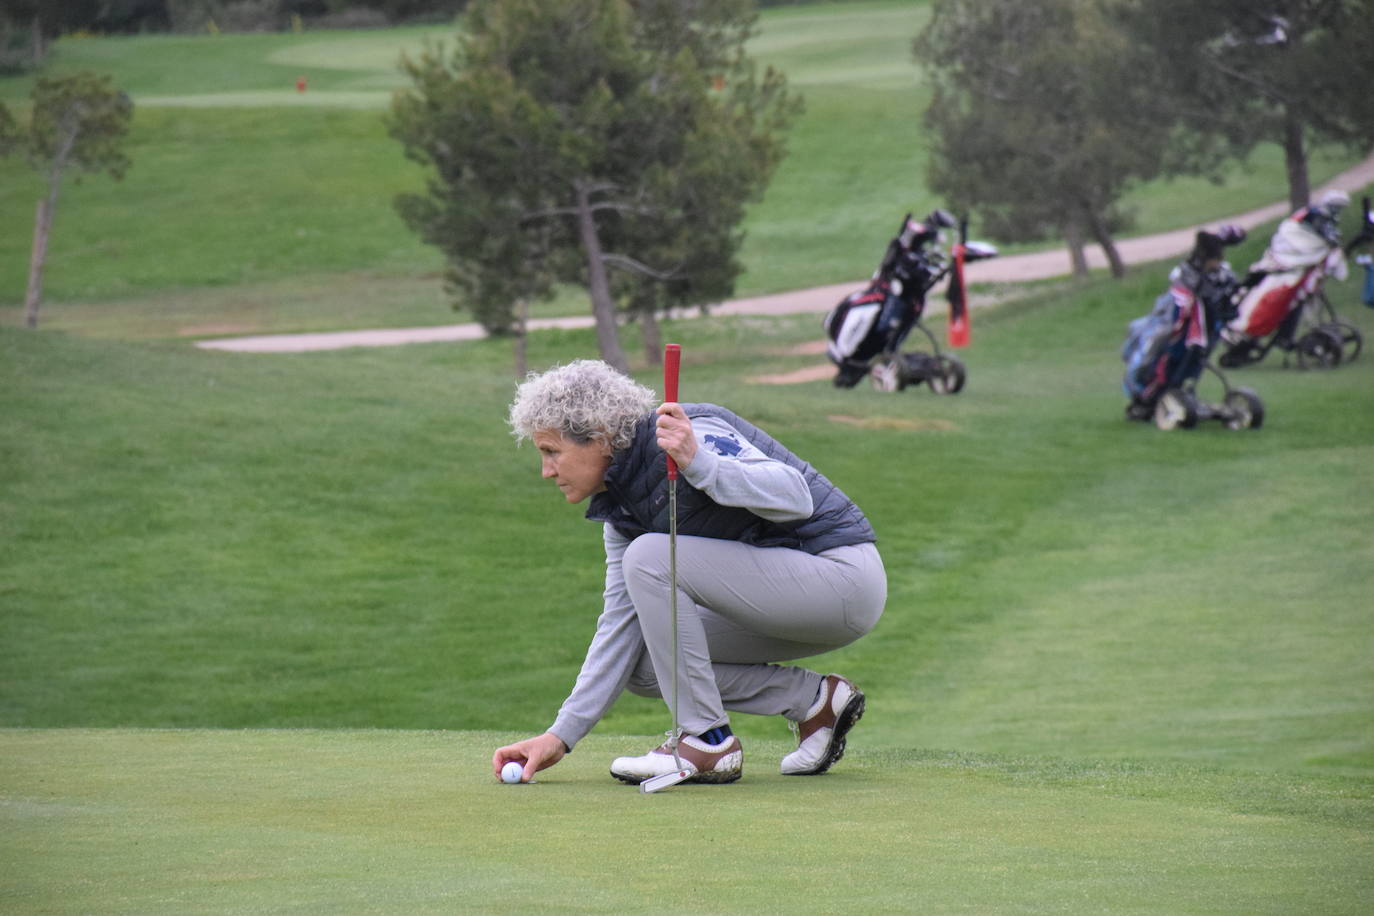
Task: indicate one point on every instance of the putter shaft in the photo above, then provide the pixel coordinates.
(672, 605)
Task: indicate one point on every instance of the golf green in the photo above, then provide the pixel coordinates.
(134, 821)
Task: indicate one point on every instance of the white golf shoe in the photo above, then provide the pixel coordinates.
(822, 733)
(713, 763)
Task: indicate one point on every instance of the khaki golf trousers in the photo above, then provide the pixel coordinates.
(740, 610)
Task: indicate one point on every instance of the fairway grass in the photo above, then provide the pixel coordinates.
(134, 821)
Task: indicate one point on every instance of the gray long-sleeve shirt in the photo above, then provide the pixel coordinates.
(733, 473)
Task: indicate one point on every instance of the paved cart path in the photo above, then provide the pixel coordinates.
(1012, 268)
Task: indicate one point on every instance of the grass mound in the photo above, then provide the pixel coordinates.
(346, 539)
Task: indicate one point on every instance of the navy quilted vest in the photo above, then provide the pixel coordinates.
(636, 497)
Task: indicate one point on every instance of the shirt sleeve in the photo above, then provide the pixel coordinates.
(611, 658)
(732, 472)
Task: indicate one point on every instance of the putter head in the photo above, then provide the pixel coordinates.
(654, 783)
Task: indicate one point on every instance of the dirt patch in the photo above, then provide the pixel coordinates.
(911, 424)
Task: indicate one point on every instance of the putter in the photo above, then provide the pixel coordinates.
(672, 359)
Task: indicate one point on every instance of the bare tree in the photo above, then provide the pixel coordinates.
(79, 122)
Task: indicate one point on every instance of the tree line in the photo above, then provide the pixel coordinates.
(1045, 113)
(580, 141)
(614, 144)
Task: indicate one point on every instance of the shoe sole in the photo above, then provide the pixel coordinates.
(715, 779)
(853, 711)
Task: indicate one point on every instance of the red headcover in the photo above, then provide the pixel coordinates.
(958, 301)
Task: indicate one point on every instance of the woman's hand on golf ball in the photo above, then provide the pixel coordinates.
(675, 434)
(534, 754)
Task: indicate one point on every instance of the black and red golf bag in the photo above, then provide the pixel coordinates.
(866, 329)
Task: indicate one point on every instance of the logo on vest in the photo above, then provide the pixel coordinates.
(724, 445)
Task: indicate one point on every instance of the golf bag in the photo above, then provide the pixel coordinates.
(1167, 350)
(867, 328)
(1283, 301)
(1168, 347)
(1364, 237)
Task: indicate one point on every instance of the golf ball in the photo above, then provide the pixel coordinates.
(512, 772)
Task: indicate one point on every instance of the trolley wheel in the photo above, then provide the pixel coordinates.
(886, 375)
(949, 375)
(1177, 409)
(1246, 409)
(1352, 341)
(1319, 348)
(1138, 412)
(849, 374)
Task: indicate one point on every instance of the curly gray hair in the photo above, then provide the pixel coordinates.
(584, 400)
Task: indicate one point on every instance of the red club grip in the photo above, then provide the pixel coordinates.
(672, 361)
